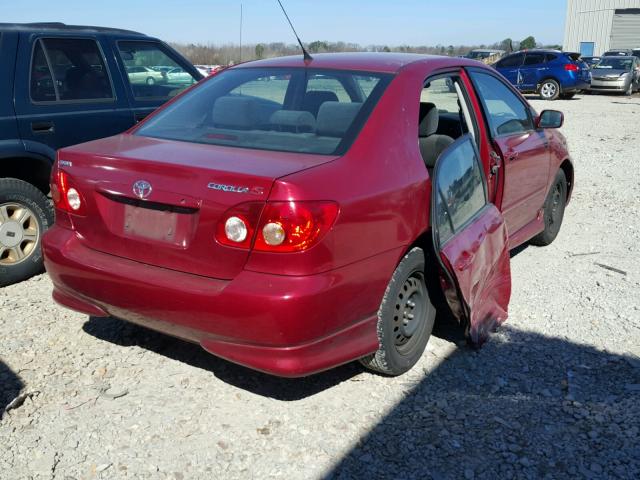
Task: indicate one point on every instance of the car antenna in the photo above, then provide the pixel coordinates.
(307, 57)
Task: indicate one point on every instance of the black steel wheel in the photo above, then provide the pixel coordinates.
(405, 318)
(553, 210)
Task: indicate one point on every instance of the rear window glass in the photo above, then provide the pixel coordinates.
(286, 109)
(616, 63)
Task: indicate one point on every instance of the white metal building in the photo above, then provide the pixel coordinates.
(595, 26)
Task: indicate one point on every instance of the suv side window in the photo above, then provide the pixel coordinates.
(72, 67)
(460, 188)
(550, 57)
(42, 86)
(511, 61)
(151, 71)
(505, 112)
(534, 59)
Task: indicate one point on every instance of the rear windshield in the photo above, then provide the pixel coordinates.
(287, 109)
(616, 63)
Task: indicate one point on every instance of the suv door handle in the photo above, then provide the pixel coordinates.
(42, 127)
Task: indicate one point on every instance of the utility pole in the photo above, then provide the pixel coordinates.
(240, 33)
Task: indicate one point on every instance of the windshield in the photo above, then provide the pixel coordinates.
(616, 63)
(287, 109)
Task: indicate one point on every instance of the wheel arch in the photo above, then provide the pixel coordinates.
(29, 167)
(567, 167)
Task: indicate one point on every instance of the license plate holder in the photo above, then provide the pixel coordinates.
(151, 224)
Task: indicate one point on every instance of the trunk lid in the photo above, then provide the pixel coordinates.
(188, 188)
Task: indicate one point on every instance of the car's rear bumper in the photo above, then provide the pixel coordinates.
(284, 325)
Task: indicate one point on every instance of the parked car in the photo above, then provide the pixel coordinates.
(550, 73)
(296, 224)
(62, 85)
(636, 52)
(620, 52)
(616, 74)
(146, 75)
(591, 61)
(487, 56)
(179, 75)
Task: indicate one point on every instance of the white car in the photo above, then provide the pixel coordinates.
(145, 75)
(179, 75)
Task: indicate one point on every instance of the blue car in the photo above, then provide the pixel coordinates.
(551, 74)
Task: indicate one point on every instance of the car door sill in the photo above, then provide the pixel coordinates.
(527, 232)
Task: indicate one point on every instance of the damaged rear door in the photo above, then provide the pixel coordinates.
(470, 238)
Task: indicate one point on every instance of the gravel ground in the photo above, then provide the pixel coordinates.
(554, 394)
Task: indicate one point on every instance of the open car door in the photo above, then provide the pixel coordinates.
(471, 241)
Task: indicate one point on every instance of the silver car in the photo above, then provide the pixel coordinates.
(616, 74)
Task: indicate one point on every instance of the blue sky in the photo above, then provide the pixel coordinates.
(393, 22)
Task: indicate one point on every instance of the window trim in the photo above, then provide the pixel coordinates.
(470, 71)
(436, 191)
(164, 49)
(57, 101)
(466, 98)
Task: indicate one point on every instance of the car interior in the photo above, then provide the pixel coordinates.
(301, 112)
(443, 117)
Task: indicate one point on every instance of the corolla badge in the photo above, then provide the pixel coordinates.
(142, 189)
(235, 188)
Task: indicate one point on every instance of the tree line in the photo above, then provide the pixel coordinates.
(226, 54)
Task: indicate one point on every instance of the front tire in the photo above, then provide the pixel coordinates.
(629, 90)
(25, 214)
(405, 318)
(553, 215)
(549, 90)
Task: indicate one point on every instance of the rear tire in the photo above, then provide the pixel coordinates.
(25, 214)
(405, 318)
(554, 206)
(549, 89)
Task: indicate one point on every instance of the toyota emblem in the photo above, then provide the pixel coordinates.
(142, 189)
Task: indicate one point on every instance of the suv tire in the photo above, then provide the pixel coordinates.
(553, 211)
(405, 318)
(25, 214)
(549, 89)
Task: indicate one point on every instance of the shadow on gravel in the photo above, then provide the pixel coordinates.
(123, 333)
(525, 406)
(10, 386)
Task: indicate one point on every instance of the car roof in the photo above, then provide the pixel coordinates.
(62, 27)
(381, 62)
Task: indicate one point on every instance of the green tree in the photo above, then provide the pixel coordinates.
(529, 42)
(506, 45)
(318, 46)
(386, 49)
(259, 51)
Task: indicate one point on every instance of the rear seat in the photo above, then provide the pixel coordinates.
(335, 118)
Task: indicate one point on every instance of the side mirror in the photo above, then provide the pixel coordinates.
(550, 119)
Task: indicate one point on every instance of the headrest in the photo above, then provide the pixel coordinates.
(428, 120)
(335, 118)
(293, 120)
(313, 99)
(235, 112)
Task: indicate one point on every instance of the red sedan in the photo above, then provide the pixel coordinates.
(292, 216)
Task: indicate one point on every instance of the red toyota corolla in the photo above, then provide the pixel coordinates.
(292, 216)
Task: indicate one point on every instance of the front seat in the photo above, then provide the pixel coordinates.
(431, 144)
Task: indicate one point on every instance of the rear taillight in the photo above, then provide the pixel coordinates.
(238, 225)
(294, 226)
(570, 67)
(276, 226)
(65, 194)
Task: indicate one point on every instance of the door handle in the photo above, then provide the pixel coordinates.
(42, 127)
(465, 261)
